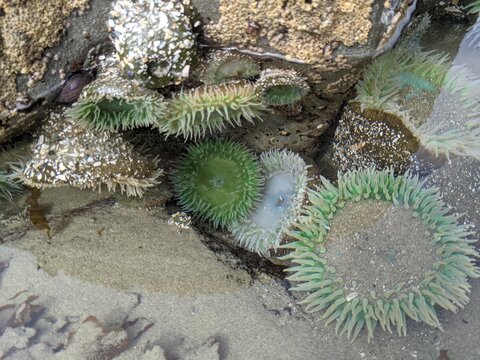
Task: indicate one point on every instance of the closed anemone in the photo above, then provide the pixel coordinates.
(67, 154)
(207, 109)
(372, 221)
(154, 40)
(224, 66)
(113, 103)
(218, 181)
(373, 138)
(279, 87)
(285, 175)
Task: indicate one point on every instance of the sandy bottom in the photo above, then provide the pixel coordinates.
(372, 254)
(117, 281)
(126, 248)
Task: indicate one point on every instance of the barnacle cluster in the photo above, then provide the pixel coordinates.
(67, 154)
(302, 30)
(285, 184)
(353, 297)
(218, 181)
(154, 40)
(155, 47)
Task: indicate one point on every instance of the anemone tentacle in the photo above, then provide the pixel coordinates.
(113, 103)
(218, 181)
(67, 154)
(384, 79)
(445, 284)
(285, 175)
(8, 186)
(207, 109)
(224, 66)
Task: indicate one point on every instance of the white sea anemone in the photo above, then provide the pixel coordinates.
(286, 179)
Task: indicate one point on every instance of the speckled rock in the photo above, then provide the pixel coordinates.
(330, 63)
(327, 35)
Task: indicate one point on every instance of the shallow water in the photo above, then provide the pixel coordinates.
(117, 272)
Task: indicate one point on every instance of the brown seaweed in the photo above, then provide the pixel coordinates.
(36, 213)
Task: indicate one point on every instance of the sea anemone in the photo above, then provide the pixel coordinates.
(154, 40)
(66, 154)
(278, 87)
(380, 249)
(373, 138)
(473, 7)
(112, 103)
(208, 108)
(383, 79)
(285, 175)
(473, 36)
(391, 79)
(224, 66)
(8, 187)
(218, 181)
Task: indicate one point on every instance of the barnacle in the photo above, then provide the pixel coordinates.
(206, 109)
(278, 87)
(154, 40)
(225, 66)
(218, 181)
(8, 186)
(112, 103)
(351, 296)
(285, 175)
(66, 154)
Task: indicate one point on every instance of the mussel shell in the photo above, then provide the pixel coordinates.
(73, 87)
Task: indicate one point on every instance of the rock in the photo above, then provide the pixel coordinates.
(326, 44)
(325, 40)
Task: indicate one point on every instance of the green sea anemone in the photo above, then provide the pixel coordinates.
(8, 187)
(285, 175)
(278, 87)
(154, 40)
(112, 103)
(378, 249)
(473, 36)
(218, 181)
(473, 7)
(383, 79)
(194, 113)
(224, 66)
(390, 81)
